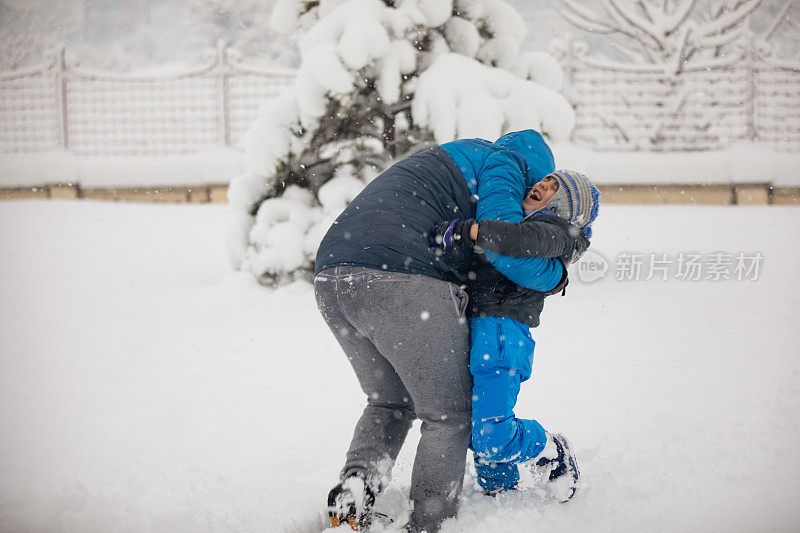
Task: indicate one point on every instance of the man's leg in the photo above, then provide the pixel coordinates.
(417, 323)
(384, 424)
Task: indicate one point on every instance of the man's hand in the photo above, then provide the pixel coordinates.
(447, 234)
(452, 245)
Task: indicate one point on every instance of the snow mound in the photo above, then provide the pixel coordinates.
(541, 68)
(459, 98)
(462, 36)
(338, 192)
(278, 234)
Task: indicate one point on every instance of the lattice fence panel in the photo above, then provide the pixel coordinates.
(142, 117)
(247, 92)
(29, 114)
(777, 110)
(648, 111)
(184, 113)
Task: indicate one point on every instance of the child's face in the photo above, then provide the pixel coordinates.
(540, 194)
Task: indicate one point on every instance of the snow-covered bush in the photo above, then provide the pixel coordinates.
(378, 80)
(459, 97)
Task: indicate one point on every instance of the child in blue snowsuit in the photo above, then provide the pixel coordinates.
(559, 212)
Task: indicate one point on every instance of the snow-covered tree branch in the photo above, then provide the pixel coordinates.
(665, 32)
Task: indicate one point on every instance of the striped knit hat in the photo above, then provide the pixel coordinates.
(576, 200)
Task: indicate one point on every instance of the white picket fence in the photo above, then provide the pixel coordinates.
(618, 107)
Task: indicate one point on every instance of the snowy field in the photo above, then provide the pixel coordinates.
(146, 387)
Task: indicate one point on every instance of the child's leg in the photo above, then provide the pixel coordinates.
(501, 357)
(495, 477)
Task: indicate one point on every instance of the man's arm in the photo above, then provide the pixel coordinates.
(501, 189)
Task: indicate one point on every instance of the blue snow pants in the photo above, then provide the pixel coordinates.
(501, 358)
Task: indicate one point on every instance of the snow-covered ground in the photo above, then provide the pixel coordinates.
(146, 387)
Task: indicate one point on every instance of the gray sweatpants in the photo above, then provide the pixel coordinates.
(408, 342)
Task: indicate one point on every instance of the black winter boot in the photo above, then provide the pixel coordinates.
(350, 503)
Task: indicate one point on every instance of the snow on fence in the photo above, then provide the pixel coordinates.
(619, 107)
(101, 114)
(706, 107)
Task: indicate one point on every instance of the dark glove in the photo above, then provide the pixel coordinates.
(447, 234)
(581, 243)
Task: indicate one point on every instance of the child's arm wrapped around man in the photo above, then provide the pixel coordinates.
(541, 235)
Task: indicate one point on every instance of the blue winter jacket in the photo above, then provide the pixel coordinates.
(386, 226)
(499, 175)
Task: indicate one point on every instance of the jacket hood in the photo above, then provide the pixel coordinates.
(537, 155)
